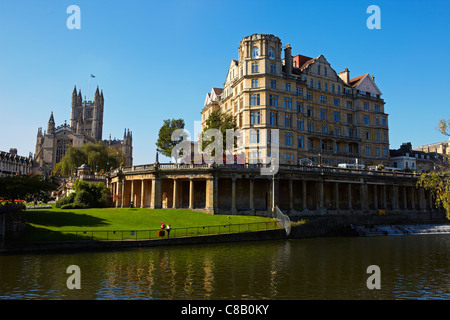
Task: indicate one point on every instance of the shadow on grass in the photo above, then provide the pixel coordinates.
(33, 233)
(48, 218)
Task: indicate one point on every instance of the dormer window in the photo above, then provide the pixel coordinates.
(255, 52)
(271, 53)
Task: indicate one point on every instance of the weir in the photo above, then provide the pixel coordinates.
(403, 229)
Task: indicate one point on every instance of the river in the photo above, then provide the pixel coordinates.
(410, 267)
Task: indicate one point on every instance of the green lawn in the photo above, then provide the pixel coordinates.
(136, 223)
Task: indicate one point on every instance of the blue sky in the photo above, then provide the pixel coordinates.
(156, 60)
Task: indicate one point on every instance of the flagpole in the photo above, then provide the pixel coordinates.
(89, 86)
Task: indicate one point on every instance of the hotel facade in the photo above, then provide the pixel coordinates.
(322, 116)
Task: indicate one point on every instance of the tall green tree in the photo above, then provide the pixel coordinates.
(221, 121)
(96, 155)
(438, 181)
(20, 187)
(164, 143)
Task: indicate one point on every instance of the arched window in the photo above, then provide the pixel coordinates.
(271, 53)
(255, 52)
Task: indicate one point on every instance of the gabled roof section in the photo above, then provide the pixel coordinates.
(213, 95)
(366, 83)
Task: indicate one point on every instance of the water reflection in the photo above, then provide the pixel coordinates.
(414, 267)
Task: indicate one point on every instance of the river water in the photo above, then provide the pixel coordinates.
(411, 267)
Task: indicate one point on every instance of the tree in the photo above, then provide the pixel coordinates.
(438, 181)
(220, 121)
(22, 186)
(95, 155)
(165, 144)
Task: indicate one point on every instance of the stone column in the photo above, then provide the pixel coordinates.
(304, 198)
(252, 188)
(210, 195)
(132, 198)
(122, 192)
(405, 199)
(275, 189)
(349, 196)
(383, 196)
(156, 194)
(191, 193)
(395, 197)
(321, 197)
(336, 195)
(233, 195)
(364, 198)
(421, 199)
(175, 194)
(375, 197)
(291, 195)
(413, 200)
(142, 194)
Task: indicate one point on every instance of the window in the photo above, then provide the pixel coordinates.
(273, 118)
(377, 108)
(367, 135)
(310, 126)
(383, 121)
(337, 131)
(337, 116)
(366, 106)
(326, 86)
(287, 120)
(271, 53)
(273, 100)
(349, 118)
(299, 91)
(323, 114)
(337, 102)
(309, 96)
(255, 117)
(366, 120)
(325, 71)
(311, 83)
(273, 84)
(288, 103)
(368, 150)
(318, 85)
(339, 89)
(377, 120)
(254, 83)
(255, 52)
(378, 151)
(254, 67)
(309, 111)
(323, 128)
(351, 133)
(323, 99)
(299, 107)
(349, 104)
(288, 87)
(300, 142)
(385, 136)
(254, 136)
(254, 100)
(318, 69)
(273, 68)
(288, 138)
(300, 124)
(332, 88)
(378, 136)
(385, 152)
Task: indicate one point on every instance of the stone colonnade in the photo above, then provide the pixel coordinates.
(248, 192)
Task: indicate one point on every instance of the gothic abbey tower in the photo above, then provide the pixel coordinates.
(86, 117)
(86, 126)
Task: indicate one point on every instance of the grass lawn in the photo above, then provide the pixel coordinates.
(135, 223)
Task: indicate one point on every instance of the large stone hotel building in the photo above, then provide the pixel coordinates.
(321, 115)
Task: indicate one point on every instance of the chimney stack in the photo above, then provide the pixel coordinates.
(345, 75)
(288, 59)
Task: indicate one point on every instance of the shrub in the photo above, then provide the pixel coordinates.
(74, 205)
(66, 200)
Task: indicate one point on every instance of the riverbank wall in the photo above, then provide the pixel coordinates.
(92, 245)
